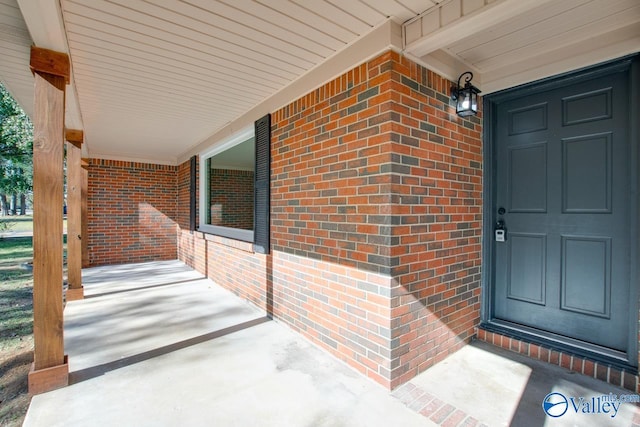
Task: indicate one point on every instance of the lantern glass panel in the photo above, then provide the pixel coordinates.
(467, 104)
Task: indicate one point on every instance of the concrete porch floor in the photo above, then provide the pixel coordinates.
(158, 344)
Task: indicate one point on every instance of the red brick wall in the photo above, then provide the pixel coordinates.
(228, 262)
(582, 365)
(331, 200)
(331, 152)
(437, 222)
(377, 174)
(131, 212)
(192, 250)
(375, 222)
(231, 197)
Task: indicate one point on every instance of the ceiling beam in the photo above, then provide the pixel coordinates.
(44, 21)
(452, 21)
(448, 65)
(50, 62)
(74, 136)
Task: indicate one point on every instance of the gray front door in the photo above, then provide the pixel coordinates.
(562, 175)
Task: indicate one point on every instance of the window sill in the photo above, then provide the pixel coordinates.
(228, 240)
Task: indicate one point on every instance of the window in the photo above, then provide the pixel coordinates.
(228, 187)
(234, 186)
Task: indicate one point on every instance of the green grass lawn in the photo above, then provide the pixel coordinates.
(16, 325)
(16, 328)
(20, 223)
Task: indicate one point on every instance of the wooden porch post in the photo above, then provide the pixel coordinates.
(84, 213)
(51, 70)
(74, 214)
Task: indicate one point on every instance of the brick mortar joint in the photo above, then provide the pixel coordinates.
(490, 338)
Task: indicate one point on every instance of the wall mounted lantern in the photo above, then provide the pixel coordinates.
(466, 97)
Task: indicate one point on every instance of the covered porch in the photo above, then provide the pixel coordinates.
(373, 209)
(159, 344)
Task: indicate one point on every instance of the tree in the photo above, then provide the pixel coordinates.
(16, 152)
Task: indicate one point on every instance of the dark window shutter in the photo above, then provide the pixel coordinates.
(262, 179)
(193, 213)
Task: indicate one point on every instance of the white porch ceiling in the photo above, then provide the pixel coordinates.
(157, 77)
(509, 42)
(156, 80)
(15, 45)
